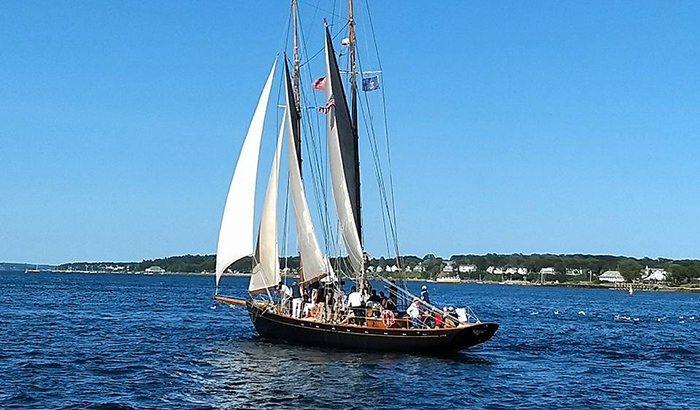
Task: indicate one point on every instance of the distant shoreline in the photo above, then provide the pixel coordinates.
(623, 287)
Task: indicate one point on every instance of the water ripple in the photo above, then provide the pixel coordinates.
(122, 342)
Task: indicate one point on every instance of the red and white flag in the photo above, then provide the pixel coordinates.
(319, 84)
(326, 108)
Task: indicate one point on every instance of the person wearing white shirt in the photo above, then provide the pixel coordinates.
(285, 297)
(355, 303)
(413, 312)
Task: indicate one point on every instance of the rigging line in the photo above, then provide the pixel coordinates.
(333, 37)
(331, 12)
(377, 166)
(322, 165)
(285, 224)
(369, 126)
(386, 126)
(319, 170)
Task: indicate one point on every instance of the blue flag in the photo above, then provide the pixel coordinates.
(370, 84)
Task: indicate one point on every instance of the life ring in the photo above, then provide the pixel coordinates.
(388, 317)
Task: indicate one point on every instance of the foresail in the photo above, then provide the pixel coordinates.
(313, 262)
(266, 270)
(236, 232)
(343, 156)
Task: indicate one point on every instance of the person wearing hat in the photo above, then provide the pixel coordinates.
(424, 297)
(413, 313)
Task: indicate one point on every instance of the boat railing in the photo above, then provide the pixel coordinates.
(409, 296)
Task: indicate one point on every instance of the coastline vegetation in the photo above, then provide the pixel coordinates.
(681, 272)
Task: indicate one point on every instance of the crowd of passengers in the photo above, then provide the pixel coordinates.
(330, 304)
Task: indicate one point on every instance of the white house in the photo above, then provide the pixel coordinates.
(379, 269)
(408, 269)
(449, 267)
(611, 276)
(654, 274)
(370, 269)
(155, 269)
(522, 271)
(392, 268)
(467, 268)
(511, 271)
(547, 271)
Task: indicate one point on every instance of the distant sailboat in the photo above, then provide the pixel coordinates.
(631, 291)
(369, 326)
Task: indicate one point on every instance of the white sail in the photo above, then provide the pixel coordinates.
(266, 271)
(313, 262)
(341, 196)
(236, 233)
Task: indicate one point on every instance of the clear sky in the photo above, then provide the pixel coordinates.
(549, 126)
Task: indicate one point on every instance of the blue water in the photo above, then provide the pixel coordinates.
(101, 341)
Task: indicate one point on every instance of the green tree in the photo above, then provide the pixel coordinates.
(630, 269)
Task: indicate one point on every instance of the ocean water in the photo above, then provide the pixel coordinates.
(120, 341)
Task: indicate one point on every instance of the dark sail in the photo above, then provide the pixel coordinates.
(294, 114)
(347, 135)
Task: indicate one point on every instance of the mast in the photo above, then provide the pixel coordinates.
(297, 97)
(295, 114)
(353, 115)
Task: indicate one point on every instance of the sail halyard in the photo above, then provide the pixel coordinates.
(343, 157)
(266, 270)
(236, 232)
(315, 264)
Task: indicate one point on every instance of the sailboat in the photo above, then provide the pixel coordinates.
(329, 322)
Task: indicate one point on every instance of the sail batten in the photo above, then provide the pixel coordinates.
(236, 232)
(266, 271)
(315, 264)
(344, 161)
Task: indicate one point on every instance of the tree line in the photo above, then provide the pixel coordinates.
(681, 271)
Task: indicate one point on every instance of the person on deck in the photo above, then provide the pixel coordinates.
(382, 298)
(296, 300)
(339, 303)
(321, 301)
(375, 298)
(355, 303)
(285, 297)
(413, 312)
(424, 296)
(328, 311)
(389, 304)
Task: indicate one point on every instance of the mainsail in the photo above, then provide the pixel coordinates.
(314, 264)
(236, 233)
(343, 156)
(266, 271)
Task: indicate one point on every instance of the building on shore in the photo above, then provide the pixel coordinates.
(547, 271)
(611, 276)
(467, 268)
(654, 274)
(155, 269)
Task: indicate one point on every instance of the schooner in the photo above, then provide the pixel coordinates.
(331, 322)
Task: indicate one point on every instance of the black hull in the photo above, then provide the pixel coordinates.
(305, 332)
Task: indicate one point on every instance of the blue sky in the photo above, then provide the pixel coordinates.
(550, 126)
